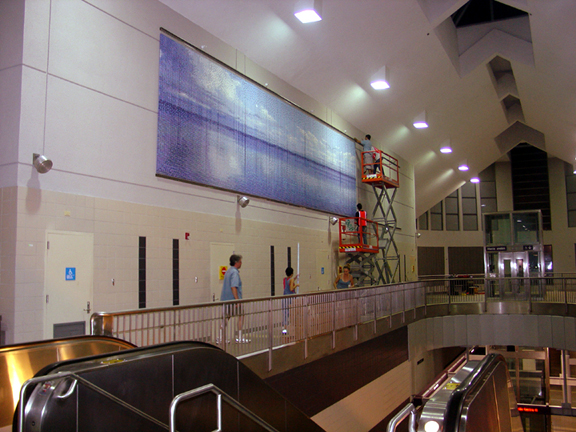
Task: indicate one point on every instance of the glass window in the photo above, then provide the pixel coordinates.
(526, 228)
(423, 222)
(469, 207)
(470, 222)
(570, 194)
(498, 229)
(452, 218)
(436, 217)
(488, 202)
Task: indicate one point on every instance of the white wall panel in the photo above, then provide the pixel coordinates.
(10, 85)
(500, 326)
(460, 330)
(545, 332)
(33, 97)
(448, 331)
(438, 332)
(95, 50)
(92, 134)
(473, 329)
(11, 33)
(522, 330)
(36, 31)
(570, 333)
(487, 330)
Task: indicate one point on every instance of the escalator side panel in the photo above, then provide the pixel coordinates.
(145, 384)
(148, 379)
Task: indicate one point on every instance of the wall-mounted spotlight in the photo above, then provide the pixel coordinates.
(243, 201)
(420, 121)
(308, 11)
(41, 163)
(333, 220)
(379, 80)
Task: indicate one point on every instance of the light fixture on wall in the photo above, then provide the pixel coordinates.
(308, 11)
(41, 163)
(333, 220)
(379, 80)
(243, 201)
(420, 121)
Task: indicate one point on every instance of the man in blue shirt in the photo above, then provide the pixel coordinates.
(232, 290)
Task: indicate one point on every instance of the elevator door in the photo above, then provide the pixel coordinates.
(512, 266)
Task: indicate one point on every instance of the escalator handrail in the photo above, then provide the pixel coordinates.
(211, 388)
(456, 401)
(408, 410)
(60, 375)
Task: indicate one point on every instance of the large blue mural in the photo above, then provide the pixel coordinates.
(219, 129)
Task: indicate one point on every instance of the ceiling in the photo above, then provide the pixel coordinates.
(484, 87)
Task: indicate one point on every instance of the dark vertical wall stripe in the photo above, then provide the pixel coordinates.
(289, 257)
(142, 272)
(175, 272)
(272, 290)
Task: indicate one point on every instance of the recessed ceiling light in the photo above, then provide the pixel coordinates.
(463, 167)
(474, 180)
(420, 121)
(308, 11)
(379, 80)
(380, 85)
(445, 150)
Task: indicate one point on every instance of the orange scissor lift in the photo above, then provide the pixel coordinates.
(371, 250)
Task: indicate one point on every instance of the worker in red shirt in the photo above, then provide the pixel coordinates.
(362, 224)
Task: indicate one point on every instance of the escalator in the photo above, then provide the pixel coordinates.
(20, 362)
(136, 390)
(479, 397)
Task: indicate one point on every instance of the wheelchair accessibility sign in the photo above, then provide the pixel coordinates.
(70, 273)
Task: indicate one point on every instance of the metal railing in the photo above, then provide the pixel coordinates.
(220, 394)
(275, 321)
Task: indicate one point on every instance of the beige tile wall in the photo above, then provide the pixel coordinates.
(117, 226)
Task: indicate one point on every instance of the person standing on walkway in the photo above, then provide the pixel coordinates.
(290, 286)
(232, 290)
(344, 280)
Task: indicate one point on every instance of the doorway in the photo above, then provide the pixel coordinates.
(68, 283)
(511, 267)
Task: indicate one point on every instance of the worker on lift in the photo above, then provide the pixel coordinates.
(362, 224)
(366, 153)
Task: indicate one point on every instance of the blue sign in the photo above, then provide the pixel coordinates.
(322, 270)
(70, 273)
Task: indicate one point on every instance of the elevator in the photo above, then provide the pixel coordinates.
(513, 244)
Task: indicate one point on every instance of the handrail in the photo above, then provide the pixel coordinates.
(456, 401)
(408, 410)
(326, 312)
(60, 375)
(211, 388)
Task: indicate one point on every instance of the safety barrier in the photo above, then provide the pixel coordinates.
(275, 321)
